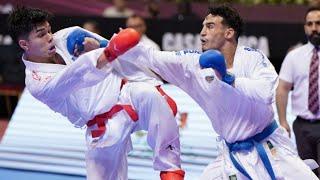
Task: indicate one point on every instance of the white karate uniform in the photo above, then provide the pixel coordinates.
(80, 91)
(235, 113)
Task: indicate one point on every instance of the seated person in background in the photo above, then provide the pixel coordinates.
(138, 23)
(118, 10)
(92, 26)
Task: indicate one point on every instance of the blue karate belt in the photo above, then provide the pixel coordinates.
(248, 144)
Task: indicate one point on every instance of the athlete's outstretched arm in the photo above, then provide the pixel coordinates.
(173, 67)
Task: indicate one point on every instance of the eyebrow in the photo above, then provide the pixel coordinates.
(42, 29)
(209, 23)
(312, 22)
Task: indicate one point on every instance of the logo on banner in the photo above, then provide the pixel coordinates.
(178, 41)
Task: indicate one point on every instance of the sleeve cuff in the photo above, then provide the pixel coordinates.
(103, 43)
(103, 72)
(285, 78)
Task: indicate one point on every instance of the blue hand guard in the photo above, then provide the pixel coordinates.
(76, 38)
(214, 59)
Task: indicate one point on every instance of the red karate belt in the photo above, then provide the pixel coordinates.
(101, 119)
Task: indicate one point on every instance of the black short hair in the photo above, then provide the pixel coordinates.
(312, 8)
(231, 17)
(22, 20)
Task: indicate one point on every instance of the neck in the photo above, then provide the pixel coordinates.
(37, 59)
(55, 59)
(229, 51)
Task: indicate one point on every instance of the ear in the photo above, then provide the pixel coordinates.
(23, 44)
(229, 33)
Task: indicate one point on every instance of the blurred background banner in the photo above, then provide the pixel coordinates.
(271, 26)
(274, 39)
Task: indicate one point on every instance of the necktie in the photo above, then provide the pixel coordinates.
(313, 100)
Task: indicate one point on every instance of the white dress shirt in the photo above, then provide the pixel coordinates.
(295, 69)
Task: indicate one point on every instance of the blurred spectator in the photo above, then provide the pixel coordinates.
(137, 22)
(314, 3)
(118, 10)
(6, 8)
(184, 11)
(92, 26)
(152, 8)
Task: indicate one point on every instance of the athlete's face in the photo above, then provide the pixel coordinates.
(39, 46)
(213, 33)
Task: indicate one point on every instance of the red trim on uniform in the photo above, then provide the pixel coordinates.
(169, 100)
(131, 112)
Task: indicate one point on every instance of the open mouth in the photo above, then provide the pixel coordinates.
(203, 41)
(52, 49)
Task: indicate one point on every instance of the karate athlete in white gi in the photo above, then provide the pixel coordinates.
(90, 92)
(239, 105)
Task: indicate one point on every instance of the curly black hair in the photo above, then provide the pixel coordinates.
(22, 20)
(231, 17)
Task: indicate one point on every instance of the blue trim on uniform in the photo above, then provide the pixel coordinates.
(248, 144)
(103, 43)
(229, 78)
